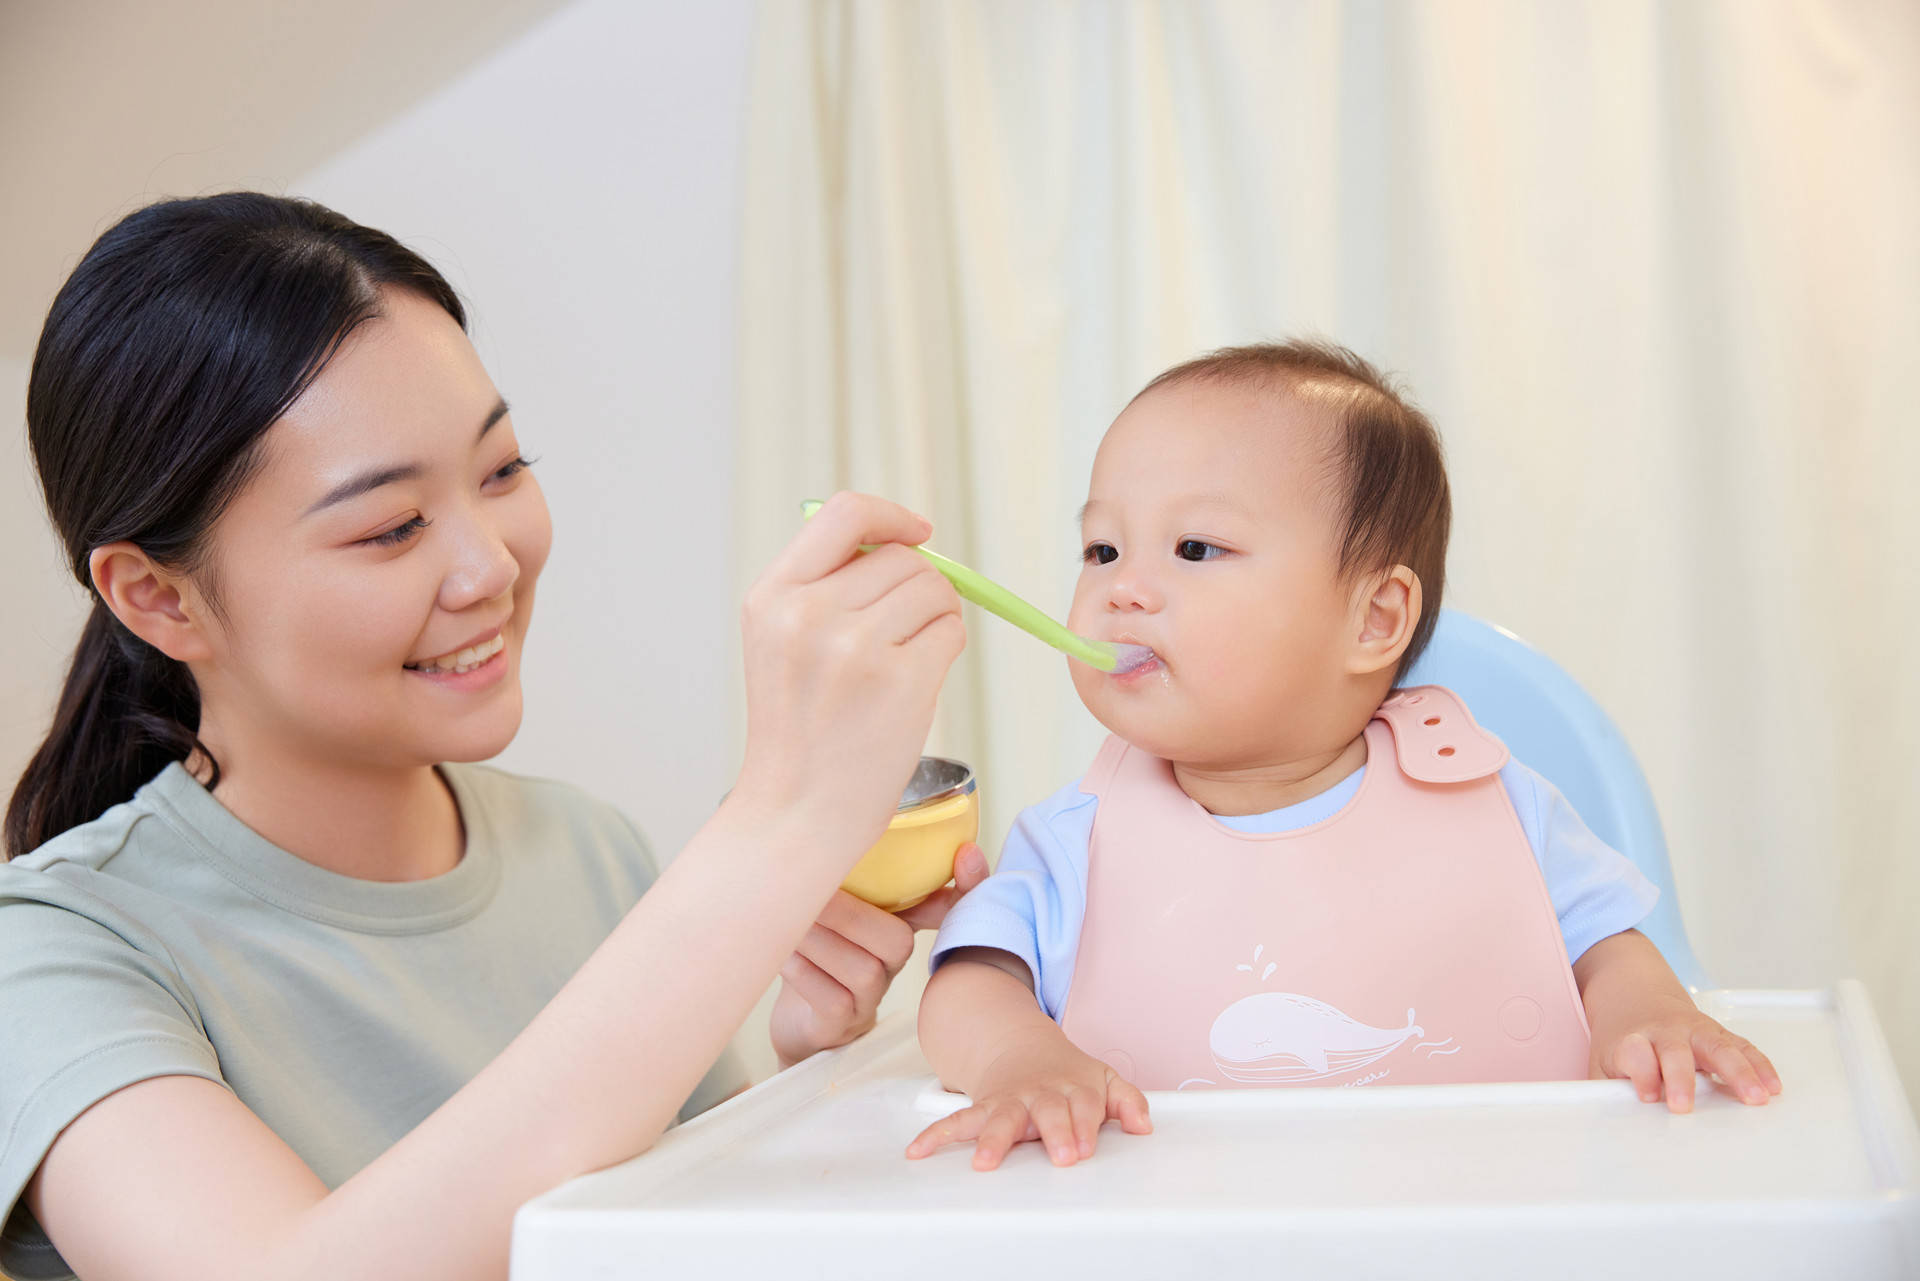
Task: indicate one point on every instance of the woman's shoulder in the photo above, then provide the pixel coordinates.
(100, 850)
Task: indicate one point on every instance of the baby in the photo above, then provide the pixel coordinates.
(1280, 869)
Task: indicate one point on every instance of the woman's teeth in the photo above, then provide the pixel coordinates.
(463, 660)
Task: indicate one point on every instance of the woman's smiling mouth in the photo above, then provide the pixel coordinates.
(461, 661)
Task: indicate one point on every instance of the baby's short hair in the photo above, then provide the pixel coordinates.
(1394, 507)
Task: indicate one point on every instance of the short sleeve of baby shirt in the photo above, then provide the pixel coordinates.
(1597, 891)
(107, 1010)
(1033, 904)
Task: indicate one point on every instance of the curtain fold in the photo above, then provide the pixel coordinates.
(1653, 268)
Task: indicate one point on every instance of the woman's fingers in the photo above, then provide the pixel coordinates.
(878, 933)
(839, 529)
(969, 869)
(870, 578)
(831, 1001)
(864, 976)
(913, 605)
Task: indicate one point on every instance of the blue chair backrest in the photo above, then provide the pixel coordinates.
(1551, 725)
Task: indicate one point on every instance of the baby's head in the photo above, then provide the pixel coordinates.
(1273, 521)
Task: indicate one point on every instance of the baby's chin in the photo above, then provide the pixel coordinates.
(1157, 730)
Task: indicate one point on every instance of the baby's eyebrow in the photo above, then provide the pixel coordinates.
(1204, 498)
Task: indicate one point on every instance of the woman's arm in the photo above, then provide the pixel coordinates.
(174, 1179)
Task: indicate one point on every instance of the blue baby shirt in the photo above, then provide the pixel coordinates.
(1034, 903)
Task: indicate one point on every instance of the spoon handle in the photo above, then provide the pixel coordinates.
(995, 599)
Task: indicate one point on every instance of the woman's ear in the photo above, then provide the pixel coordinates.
(150, 602)
(1386, 609)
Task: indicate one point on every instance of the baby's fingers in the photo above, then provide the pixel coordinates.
(1676, 1068)
(957, 1128)
(1762, 1066)
(1006, 1126)
(1634, 1059)
(1732, 1059)
(1127, 1105)
(1054, 1119)
(1089, 1114)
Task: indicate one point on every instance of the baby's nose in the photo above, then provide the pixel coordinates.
(1132, 591)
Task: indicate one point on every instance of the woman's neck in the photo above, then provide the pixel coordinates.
(1269, 785)
(373, 823)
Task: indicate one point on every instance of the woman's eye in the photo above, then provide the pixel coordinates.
(398, 534)
(1194, 549)
(1099, 554)
(512, 469)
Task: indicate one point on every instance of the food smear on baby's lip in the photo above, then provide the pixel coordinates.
(1132, 660)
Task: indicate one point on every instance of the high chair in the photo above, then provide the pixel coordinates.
(1554, 727)
(803, 1175)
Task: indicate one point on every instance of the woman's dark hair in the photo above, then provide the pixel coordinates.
(181, 337)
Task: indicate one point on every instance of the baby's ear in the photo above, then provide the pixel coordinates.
(1386, 611)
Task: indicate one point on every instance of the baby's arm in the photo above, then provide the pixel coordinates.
(1647, 1029)
(986, 1035)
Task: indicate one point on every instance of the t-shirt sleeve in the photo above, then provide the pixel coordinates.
(1035, 901)
(86, 1012)
(1596, 890)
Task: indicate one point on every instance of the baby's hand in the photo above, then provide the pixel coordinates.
(1052, 1092)
(1665, 1042)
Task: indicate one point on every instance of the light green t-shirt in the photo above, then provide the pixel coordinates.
(166, 937)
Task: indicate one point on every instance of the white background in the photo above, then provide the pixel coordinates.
(577, 170)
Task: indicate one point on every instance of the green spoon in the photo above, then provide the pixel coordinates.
(1104, 656)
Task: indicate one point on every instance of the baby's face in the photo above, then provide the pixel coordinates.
(1209, 535)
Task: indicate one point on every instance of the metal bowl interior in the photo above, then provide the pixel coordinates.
(935, 779)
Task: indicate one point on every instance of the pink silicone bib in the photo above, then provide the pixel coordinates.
(1407, 939)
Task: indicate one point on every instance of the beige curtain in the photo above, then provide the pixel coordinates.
(1654, 268)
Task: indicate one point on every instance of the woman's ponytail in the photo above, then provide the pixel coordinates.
(126, 711)
(182, 336)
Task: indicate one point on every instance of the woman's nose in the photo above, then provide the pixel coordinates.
(483, 568)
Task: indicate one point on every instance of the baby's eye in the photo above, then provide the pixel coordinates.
(1195, 549)
(1099, 554)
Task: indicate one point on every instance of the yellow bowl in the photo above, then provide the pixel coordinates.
(939, 813)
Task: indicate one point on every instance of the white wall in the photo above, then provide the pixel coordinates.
(580, 186)
(581, 189)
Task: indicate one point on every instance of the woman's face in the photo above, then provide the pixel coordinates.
(375, 577)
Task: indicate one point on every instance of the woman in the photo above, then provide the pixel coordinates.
(287, 991)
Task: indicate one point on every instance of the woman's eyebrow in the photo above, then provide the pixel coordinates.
(374, 478)
(494, 415)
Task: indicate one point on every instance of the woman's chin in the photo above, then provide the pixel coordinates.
(480, 741)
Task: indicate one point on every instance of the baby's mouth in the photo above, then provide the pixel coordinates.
(1137, 658)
